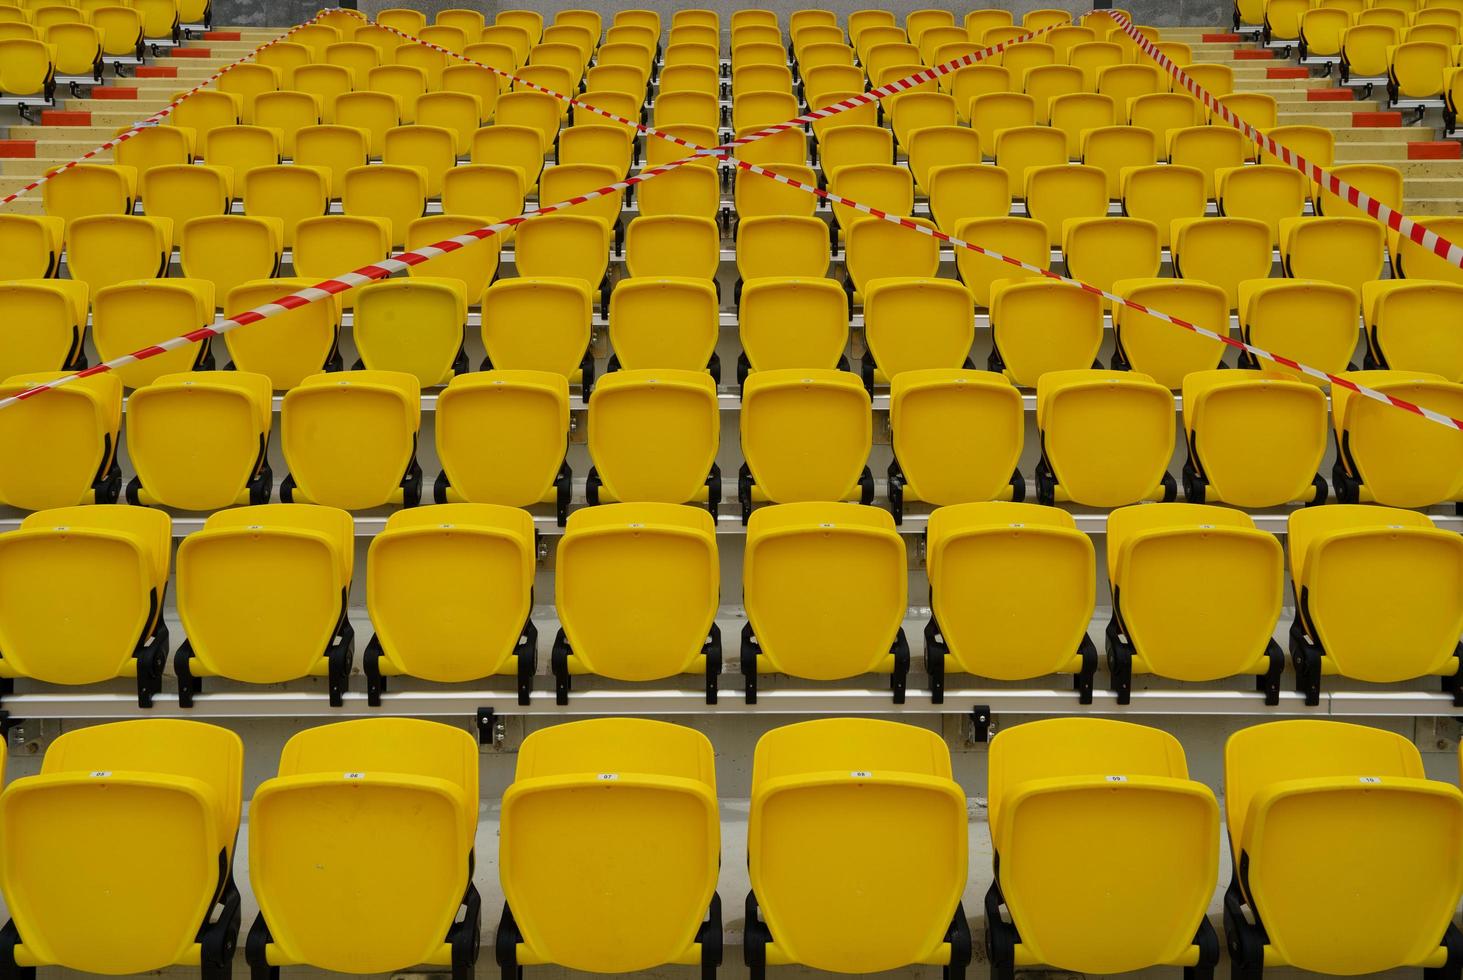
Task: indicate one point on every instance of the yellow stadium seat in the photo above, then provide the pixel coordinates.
(650, 897)
(646, 450)
(1138, 911)
(806, 435)
(664, 322)
(1391, 456)
(1295, 789)
(405, 791)
(1012, 591)
(1040, 325)
(636, 588)
(116, 556)
(540, 324)
(1407, 322)
(957, 437)
(106, 249)
(70, 437)
(181, 779)
(817, 788)
(1104, 251)
(1018, 238)
(90, 188)
(42, 322)
(32, 245)
(789, 322)
(349, 440)
(289, 347)
(1163, 193)
(1223, 252)
(1164, 351)
(1107, 437)
(137, 314)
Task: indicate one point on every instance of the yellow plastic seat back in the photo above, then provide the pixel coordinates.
(636, 588)
(501, 435)
(1166, 352)
(566, 245)
(1398, 457)
(472, 265)
(957, 434)
(229, 250)
(181, 192)
(32, 245)
(914, 323)
(1105, 251)
(788, 322)
(642, 794)
(41, 322)
(396, 193)
(411, 325)
(1416, 262)
(1407, 322)
(116, 556)
(1107, 435)
(1257, 440)
(820, 791)
(1267, 192)
(198, 441)
(825, 587)
(275, 625)
(664, 322)
(1061, 191)
(289, 193)
(449, 588)
(350, 437)
(105, 249)
(90, 188)
(1157, 552)
(883, 249)
(1379, 587)
(1346, 251)
(1018, 238)
(653, 434)
(70, 437)
(402, 789)
(1310, 321)
(1224, 252)
(1162, 193)
(806, 433)
(1013, 587)
(1134, 911)
(287, 348)
(133, 315)
(673, 245)
(337, 149)
(536, 323)
(1295, 789)
(1079, 111)
(1041, 325)
(180, 778)
(487, 190)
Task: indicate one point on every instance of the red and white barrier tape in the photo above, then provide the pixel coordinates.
(1281, 359)
(160, 115)
(1409, 229)
(862, 98)
(341, 283)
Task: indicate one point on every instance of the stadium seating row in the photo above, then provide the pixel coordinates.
(199, 440)
(263, 593)
(361, 850)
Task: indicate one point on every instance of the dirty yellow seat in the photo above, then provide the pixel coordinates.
(414, 326)
(200, 440)
(262, 595)
(180, 779)
(449, 588)
(641, 796)
(404, 792)
(350, 439)
(636, 588)
(1377, 596)
(824, 586)
(114, 556)
(1115, 909)
(821, 791)
(1012, 590)
(1295, 790)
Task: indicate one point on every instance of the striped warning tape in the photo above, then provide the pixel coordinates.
(1281, 359)
(160, 115)
(853, 102)
(341, 283)
(1409, 229)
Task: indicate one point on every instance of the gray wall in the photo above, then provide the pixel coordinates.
(1162, 13)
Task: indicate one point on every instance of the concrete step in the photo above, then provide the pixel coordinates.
(1436, 189)
(1446, 207)
(1370, 152)
(1432, 169)
(1364, 134)
(138, 107)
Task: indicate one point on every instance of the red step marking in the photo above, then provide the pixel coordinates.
(113, 92)
(59, 117)
(1330, 95)
(1253, 54)
(223, 36)
(191, 53)
(1220, 38)
(1292, 72)
(155, 71)
(1376, 120)
(17, 149)
(1435, 150)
